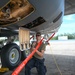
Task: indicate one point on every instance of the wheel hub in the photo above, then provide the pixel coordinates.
(14, 56)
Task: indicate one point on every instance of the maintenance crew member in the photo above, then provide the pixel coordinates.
(38, 59)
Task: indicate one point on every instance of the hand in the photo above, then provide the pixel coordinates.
(32, 49)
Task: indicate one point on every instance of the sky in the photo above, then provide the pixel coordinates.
(68, 25)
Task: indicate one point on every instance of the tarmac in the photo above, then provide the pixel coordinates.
(59, 59)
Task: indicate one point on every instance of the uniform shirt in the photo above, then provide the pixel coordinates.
(42, 47)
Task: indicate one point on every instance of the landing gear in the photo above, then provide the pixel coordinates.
(11, 53)
(10, 56)
(23, 55)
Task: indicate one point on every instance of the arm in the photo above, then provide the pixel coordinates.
(31, 49)
(32, 46)
(40, 53)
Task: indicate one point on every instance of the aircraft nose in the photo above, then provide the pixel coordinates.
(3, 2)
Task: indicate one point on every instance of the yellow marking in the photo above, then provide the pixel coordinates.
(4, 69)
(55, 62)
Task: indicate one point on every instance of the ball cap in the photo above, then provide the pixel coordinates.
(38, 34)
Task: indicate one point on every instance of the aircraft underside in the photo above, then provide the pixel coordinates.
(22, 18)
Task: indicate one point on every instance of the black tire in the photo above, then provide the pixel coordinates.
(10, 56)
(23, 55)
(0, 51)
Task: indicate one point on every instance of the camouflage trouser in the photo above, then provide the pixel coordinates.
(38, 63)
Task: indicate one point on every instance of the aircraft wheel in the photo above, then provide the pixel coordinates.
(23, 55)
(0, 51)
(10, 56)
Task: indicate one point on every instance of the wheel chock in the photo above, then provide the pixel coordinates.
(4, 69)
